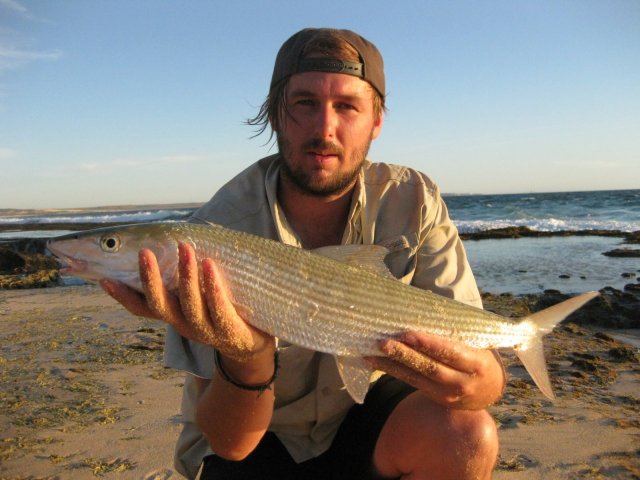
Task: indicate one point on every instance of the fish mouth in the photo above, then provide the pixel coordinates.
(71, 266)
(68, 264)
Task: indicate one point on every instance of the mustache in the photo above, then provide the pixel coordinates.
(324, 145)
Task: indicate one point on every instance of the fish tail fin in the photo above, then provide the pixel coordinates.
(532, 357)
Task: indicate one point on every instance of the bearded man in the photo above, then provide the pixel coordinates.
(258, 408)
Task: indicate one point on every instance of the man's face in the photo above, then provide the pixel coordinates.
(327, 134)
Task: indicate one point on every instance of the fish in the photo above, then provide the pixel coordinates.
(341, 300)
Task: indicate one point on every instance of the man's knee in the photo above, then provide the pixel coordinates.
(479, 428)
(421, 436)
(474, 440)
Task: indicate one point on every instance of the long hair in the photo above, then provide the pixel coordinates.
(274, 109)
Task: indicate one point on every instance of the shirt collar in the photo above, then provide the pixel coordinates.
(286, 234)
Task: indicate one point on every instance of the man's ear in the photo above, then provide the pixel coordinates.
(377, 127)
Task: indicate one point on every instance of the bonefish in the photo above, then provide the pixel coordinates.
(339, 300)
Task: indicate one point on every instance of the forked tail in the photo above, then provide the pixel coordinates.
(532, 356)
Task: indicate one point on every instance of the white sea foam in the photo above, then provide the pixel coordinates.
(547, 225)
(99, 217)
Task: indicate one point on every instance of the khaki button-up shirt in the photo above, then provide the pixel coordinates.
(393, 206)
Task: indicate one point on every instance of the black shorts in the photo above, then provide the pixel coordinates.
(349, 457)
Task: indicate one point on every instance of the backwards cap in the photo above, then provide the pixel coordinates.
(289, 60)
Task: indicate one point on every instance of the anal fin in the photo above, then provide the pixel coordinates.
(356, 376)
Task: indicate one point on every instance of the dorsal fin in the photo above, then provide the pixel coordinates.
(366, 257)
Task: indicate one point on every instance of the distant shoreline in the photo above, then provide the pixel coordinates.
(7, 212)
(493, 233)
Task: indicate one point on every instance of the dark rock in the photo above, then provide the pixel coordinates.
(39, 279)
(27, 270)
(628, 275)
(632, 287)
(603, 336)
(26, 245)
(564, 276)
(10, 261)
(573, 328)
(623, 354)
(612, 309)
(633, 237)
(520, 232)
(623, 253)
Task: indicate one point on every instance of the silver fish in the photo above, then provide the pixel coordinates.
(339, 300)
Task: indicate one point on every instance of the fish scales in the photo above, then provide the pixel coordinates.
(316, 280)
(310, 300)
(367, 295)
(351, 323)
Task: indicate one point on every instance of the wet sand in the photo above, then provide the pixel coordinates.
(83, 390)
(84, 394)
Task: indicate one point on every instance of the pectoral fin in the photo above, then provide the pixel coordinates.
(356, 376)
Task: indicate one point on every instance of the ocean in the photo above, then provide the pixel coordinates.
(570, 264)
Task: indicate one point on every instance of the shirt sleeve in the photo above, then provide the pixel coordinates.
(441, 261)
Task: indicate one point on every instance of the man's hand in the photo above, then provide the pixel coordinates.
(200, 312)
(450, 373)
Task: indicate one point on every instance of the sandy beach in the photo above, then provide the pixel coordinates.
(83, 390)
(84, 395)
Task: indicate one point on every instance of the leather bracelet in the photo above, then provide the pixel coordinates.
(261, 387)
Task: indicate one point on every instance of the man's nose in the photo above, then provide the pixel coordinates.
(325, 122)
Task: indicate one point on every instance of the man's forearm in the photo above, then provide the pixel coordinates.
(232, 419)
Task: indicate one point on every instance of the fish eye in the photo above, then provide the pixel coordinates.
(110, 243)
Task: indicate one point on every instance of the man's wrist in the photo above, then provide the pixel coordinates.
(256, 375)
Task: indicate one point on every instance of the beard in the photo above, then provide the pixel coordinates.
(305, 180)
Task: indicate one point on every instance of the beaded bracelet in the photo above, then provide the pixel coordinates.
(261, 387)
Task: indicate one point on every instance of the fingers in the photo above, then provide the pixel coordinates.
(162, 304)
(202, 311)
(450, 373)
(420, 363)
(156, 301)
(194, 309)
(227, 323)
(452, 354)
(242, 341)
(130, 299)
(216, 297)
(416, 368)
(433, 365)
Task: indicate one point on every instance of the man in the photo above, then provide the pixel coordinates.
(250, 412)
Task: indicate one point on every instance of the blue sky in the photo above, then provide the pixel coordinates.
(136, 102)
